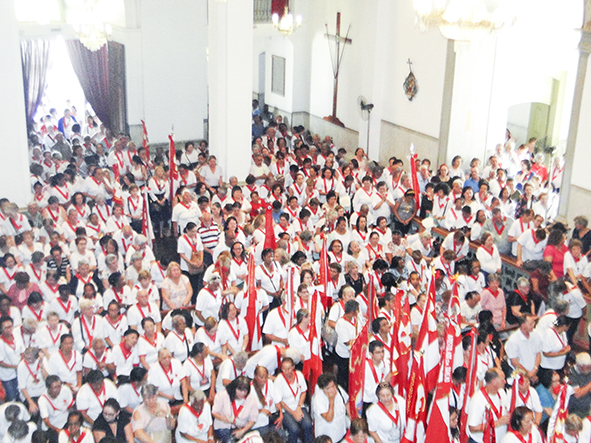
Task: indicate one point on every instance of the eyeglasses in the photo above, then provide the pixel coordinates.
(215, 278)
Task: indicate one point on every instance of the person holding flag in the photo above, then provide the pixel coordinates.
(490, 398)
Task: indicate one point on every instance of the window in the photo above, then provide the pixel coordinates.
(278, 75)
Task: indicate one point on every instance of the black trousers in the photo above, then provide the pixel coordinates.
(343, 371)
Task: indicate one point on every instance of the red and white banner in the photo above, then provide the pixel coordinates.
(470, 386)
(427, 344)
(313, 366)
(357, 371)
(324, 275)
(173, 172)
(403, 345)
(252, 316)
(414, 178)
(416, 402)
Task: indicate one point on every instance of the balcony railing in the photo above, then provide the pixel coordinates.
(262, 11)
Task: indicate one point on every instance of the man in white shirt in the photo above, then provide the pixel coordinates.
(347, 328)
(376, 372)
(523, 347)
(493, 396)
(93, 394)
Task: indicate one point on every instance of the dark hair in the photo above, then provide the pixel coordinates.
(460, 374)
(95, 376)
(225, 310)
(517, 417)
(35, 297)
(197, 349)
(358, 425)
(112, 403)
(375, 324)
(51, 379)
(147, 319)
(242, 383)
(325, 379)
(375, 344)
(137, 374)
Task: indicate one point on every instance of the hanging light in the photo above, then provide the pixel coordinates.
(464, 20)
(286, 23)
(92, 32)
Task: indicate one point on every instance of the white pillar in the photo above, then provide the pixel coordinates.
(230, 84)
(14, 178)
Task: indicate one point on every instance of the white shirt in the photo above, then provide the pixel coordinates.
(183, 214)
(476, 413)
(30, 378)
(129, 396)
(208, 303)
(531, 248)
(277, 324)
(56, 409)
(515, 231)
(489, 262)
(84, 331)
(337, 428)
(125, 362)
(67, 371)
(380, 423)
(233, 333)
(189, 424)
(575, 301)
(372, 379)
(199, 375)
(346, 331)
(149, 350)
(168, 383)
(179, 345)
(523, 348)
(290, 393)
(187, 246)
(92, 402)
(90, 360)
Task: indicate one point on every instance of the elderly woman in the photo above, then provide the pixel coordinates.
(176, 288)
(152, 421)
(31, 378)
(582, 233)
(386, 419)
(404, 210)
(195, 421)
(209, 337)
(180, 339)
(113, 422)
(299, 335)
(169, 376)
(234, 410)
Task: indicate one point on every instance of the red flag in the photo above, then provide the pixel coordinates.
(415, 180)
(427, 344)
(373, 310)
(416, 403)
(147, 229)
(470, 385)
(313, 366)
(174, 172)
(145, 142)
(357, 371)
(269, 230)
(556, 427)
(489, 436)
(438, 428)
(403, 343)
(324, 274)
(252, 317)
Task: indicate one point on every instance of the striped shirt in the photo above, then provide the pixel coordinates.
(209, 236)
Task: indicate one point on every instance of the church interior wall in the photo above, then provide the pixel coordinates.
(170, 58)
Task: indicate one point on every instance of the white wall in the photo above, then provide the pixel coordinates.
(167, 68)
(14, 179)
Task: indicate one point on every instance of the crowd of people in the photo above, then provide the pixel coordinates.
(101, 338)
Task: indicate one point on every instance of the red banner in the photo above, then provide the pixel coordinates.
(415, 180)
(313, 366)
(357, 372)
(269, 229)
(324, 274)
(145, 142)
(174, 173)
(470, 384)
(251, 294)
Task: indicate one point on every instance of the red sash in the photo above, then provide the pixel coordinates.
(493, 408)
(394, 418)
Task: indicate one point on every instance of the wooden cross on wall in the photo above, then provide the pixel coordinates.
(336, 64)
